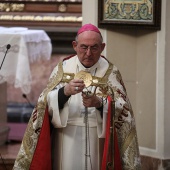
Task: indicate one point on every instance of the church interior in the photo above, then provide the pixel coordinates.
(142, 55)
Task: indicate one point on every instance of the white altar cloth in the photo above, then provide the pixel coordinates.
(27, 46)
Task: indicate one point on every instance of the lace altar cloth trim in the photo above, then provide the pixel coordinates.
(27, 46)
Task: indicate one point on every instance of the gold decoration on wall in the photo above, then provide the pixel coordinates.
(62, 8)
(17, 7)
(7, 7)
(41, 18)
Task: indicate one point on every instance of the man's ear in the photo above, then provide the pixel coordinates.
(74, 44)
(103, 46)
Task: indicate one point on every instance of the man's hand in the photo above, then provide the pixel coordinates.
(91, 101)
(73, 87)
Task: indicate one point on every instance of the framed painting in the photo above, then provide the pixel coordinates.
(138, 14)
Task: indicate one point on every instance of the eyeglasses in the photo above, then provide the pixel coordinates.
(84, 48)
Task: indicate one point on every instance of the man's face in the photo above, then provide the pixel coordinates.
(89, 47)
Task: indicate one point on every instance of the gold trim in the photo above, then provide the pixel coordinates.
(8, 7)
(128, 140)
(41, 18)
(62, 8)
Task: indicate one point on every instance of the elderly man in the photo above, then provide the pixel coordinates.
(93, 125)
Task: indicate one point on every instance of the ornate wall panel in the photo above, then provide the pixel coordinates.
(59, 18)
(40, 13)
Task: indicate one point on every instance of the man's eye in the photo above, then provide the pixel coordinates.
(94, 48)
(84, 47)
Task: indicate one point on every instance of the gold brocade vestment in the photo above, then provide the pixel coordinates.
(124, 119)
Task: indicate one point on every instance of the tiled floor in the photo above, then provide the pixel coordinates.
(10, 151)
(8, 155)
(10, 142)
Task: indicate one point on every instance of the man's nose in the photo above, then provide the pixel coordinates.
(88, 52)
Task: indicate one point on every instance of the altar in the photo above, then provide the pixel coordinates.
(19, 47)
(26, 46)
